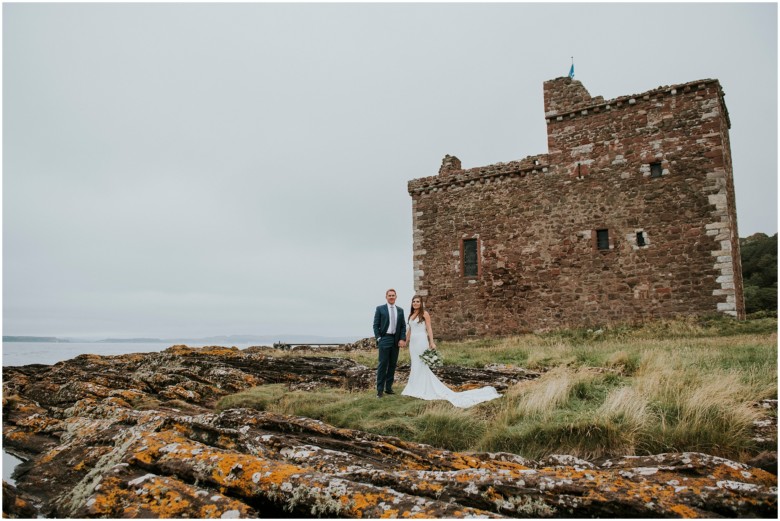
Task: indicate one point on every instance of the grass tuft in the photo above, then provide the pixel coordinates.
(445, 426)
(551, 391)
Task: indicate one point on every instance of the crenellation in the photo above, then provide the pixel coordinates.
(543, 261)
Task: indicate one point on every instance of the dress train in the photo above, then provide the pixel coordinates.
(424, 384)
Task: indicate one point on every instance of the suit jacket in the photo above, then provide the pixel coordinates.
(382, 322)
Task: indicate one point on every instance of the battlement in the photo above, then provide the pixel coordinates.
(565, 98)
(459, 177)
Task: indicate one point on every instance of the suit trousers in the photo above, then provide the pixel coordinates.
(388, 359)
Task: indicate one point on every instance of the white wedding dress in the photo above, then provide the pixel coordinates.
(425, 385)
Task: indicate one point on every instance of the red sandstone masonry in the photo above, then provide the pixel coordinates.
(536, 219)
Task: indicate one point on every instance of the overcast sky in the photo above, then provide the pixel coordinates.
(190, 170)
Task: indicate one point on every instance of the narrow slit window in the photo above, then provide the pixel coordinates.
(640, 239)
(470, 264)
(602, 239)
(656, 170)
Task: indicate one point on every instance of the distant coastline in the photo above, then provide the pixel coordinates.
(34, 339)
(213, 340)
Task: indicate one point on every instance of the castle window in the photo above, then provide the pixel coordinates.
(470, 258)
(640, 239)
(602, 239)
(656, 170)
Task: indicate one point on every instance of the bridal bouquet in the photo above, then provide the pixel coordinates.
(431, 358)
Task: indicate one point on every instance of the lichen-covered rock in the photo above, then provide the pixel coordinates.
(109, 442)
(16, 504)
(766, 460)
(364, 344)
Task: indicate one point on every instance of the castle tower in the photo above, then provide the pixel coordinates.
(629, 216)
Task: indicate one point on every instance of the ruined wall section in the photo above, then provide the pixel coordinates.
(442, 217)
(536, 220)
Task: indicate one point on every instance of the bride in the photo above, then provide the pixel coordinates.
(422, 382)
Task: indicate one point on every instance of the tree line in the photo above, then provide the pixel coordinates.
(759, 272)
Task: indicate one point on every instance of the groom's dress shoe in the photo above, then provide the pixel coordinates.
(378, 395)
(389, 392)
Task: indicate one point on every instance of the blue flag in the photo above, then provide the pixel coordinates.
(571, 71)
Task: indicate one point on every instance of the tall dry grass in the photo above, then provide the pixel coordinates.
(551, 393)
(667, 386)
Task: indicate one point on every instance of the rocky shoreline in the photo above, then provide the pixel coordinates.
(137, 436)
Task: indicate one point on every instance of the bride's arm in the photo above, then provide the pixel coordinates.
(428, 329)
(408, 333)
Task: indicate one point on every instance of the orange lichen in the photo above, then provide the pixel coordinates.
(491, 495)
(427, 487)
(117, 402)
(106, 501)
(361, 501)
(127, 394)
(17, 435)
(26, 407)
(155, 497)
(36, 422)
(685, 511)
(183, 350)
(46, 458)
(179, 350)
(226, 442)
(208, 511)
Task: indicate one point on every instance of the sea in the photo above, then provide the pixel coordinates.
(49, 353)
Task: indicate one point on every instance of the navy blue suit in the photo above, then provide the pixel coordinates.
(388, 346)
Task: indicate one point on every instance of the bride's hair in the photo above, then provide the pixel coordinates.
(421, 312)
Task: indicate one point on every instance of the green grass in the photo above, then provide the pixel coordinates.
(682, 385)
(434, 423)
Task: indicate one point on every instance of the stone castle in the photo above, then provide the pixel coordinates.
(629, 216)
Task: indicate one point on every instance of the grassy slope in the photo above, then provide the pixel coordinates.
(683, 385)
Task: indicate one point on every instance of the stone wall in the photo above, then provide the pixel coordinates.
(672, 245)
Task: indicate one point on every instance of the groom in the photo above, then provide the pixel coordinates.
(390, 334)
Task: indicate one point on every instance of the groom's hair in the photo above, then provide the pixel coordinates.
(389, 290)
